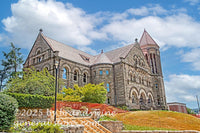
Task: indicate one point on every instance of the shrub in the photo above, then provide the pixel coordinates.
(33, 101)
(106, 118)
(33, 82)
(88, 93)
(123, 107)
(8, 106)
(37, 128)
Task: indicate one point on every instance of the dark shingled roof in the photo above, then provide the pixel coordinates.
(79, 56)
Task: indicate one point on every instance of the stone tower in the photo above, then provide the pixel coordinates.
(152, 55)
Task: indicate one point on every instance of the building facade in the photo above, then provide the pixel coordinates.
(178, 107)
(132, 74)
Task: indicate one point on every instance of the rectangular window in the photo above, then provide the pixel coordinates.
(107, 72)
(108, 87)
(101, 72)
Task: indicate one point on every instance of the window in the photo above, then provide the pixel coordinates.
(149, 100)
(87, 59)
(108, 87)
(100, 72)
(65, 73)
(158, 101)
(108, 100)
(84, 77)
(133, 99)
(38, 52)
(107, 72)
(156, 85)
(141, 100)
(33, 61)
(75, 75)
(39, 59)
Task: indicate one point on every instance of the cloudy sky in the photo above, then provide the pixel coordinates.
(92, 25)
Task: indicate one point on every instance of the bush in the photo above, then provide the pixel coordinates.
(37, 128)
(123, 107)
(106, 118)
(33, 101)
(33, 82)
(8, 106)
(88, 93)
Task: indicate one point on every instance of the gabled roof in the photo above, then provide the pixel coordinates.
(102, 58)
(146, 39)
(79, 56)
(115, 54)
(68, 52)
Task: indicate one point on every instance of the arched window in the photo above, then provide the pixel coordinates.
(38, 52)
(84, 77)
(134, 97)
(76, 75)
(150, 100)
(142, 99)
(108, 87)
(65, 73)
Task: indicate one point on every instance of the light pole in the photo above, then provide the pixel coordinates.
(56, 65)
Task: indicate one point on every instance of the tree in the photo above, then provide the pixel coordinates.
(3, 76)
(13, 61)
(33, 82)
(88, 93)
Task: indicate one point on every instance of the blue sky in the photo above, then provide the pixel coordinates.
(92, 25)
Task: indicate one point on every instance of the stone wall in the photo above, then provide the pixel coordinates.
(73, 129)
(33, 115)
(113, 126)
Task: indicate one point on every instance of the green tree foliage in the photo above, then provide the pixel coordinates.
(189, 111)
(88, 93)
(33, 82)
(33, 101)
(13, 60)
(8, 106)
(11, 64)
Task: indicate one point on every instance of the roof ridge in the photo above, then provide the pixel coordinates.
(99, 57)
(66, 45)
(119, 48)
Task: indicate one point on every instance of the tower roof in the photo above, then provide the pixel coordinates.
(146, 39)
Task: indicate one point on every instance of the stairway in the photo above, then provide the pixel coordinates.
(90, 126)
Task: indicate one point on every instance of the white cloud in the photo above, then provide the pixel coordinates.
(73, 26)
(144, 11)
(88, 50)
(192, 2)
(174, 30)
(61, 21)
(183, 88)
(193, 57)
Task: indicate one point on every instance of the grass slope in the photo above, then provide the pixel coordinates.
(153, 120)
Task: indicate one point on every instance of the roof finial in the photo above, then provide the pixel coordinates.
(41, 30)
(136, 40)
(102, 51)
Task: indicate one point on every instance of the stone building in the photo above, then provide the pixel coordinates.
(132, 74)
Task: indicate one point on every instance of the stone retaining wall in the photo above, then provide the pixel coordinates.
(33, 115)
(73, 129)
(113, 126)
